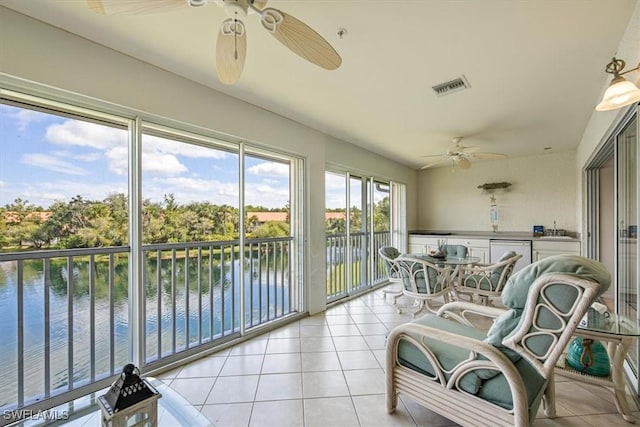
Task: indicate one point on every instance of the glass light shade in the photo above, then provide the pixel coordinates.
(621, 92)
(464, 163)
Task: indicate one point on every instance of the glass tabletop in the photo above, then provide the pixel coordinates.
(610, 323)
(449, 260)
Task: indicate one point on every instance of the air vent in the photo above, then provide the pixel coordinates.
(451, 86)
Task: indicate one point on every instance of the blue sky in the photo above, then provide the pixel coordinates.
(46, 158)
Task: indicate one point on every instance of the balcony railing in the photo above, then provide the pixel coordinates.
(65, 312)
(349, 255)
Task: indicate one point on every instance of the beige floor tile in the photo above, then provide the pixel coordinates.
(342, 319)
(194, 390)
(365, 318)
(423, 416)
(286, 413)
(283, 345)
(233, 389)
(314, 331)
(280, 363)
(372, 412)
(361, 359)
(289, 331)
(242, 365)
(255, 346)
(344, 330)
(279, 387)
(376, 342)
(334, 310)
(372, 329)
(329, 412)
(318, 319)
(324, 384)
(580, 401)
(321, 361)
(365, 381)
(359, 310)
(609, 420)
(315, 344)
(206, 367)
(228, 414)
(350, 343)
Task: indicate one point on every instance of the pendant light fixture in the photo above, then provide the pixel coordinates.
(620, 92)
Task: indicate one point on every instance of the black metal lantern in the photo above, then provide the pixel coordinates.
(129, 391)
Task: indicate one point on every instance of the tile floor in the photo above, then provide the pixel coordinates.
(327, 370)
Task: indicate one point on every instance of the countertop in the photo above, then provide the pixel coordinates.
(499, 235)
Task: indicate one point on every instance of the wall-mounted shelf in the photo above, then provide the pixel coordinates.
(494, 185)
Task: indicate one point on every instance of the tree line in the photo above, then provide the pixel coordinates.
(82, 223)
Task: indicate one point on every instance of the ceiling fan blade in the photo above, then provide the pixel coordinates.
(434, 163)
(300, 38)
(231, 51)
(435, 155)
(134, 7)
(489, 155)
(468, 150)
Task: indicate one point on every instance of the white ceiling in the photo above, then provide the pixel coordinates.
(536, 68)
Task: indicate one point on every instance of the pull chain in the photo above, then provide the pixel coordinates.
(235, 39)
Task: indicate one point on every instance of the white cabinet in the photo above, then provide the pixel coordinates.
(479, 247)
(424, 244)
(545, 248)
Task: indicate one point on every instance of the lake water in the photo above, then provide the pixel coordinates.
(213, 307)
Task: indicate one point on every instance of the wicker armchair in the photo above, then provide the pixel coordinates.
(388, 254)
(486, 281)
(476, 378)
(423, 281)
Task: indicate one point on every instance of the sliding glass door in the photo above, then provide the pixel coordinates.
(627, 234)
(358, 223)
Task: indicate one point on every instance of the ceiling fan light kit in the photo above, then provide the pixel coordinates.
(231, 45)
(620, 92)
(461, 156)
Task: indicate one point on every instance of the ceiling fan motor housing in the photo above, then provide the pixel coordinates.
(197, 3)
(235, 8)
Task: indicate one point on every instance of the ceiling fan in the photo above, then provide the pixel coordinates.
(231, 47)
(460, 155)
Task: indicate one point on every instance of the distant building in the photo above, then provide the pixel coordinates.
(11, 217)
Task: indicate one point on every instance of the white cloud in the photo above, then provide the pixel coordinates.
(154, 144)
(45, 193)
(83, 157)
(25, 117)
(270, 169)
(52, 163)
(86, 134)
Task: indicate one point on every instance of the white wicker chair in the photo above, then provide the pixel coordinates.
(388, 254)
(486, 281)
(501, 377)
(423, 281)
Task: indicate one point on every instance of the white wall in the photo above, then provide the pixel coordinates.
(543, 190)
(40, 53)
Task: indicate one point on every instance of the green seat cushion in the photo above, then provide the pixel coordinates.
(496, 389)
(448, 355)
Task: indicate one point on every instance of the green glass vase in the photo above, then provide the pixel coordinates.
(589, 356)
